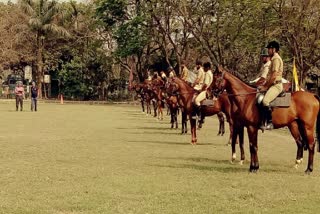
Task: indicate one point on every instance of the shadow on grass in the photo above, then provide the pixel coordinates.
(167, 142)
(218, 168)
(154, 133)
(224, 166)
(159, 142)
(147, 128)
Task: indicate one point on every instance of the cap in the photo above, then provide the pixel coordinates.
(264, 52)
(274, 44)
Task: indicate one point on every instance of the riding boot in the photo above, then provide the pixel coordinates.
(263, 119)
(268, 111)
(196, 112)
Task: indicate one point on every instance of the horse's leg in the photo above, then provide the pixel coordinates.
(241, 142)
(294, 129)
(148, 107)
(311, 146)
(253, 142)
(159, 109)
(233, 144)
(171, 116)
(176, 116)
(184, 123)
(222, 126)
(142, 104)
(219, 118)
(193, 124)
(155, 107)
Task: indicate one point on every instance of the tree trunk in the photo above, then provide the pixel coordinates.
(39, 74)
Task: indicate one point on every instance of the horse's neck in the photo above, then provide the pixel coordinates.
(186, 92)
(236, 86)
(241, 93)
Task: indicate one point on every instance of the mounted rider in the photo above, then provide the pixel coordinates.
(264, 70)
(273, 84)
(172, 73)
(208, 78)
(184, 71)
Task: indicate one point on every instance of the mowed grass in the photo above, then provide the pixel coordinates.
(113, 159)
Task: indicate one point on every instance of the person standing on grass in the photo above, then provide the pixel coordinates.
(34, 96)
(19, 91)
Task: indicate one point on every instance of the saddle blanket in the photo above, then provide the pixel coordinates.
(283, 101)
(207, 102)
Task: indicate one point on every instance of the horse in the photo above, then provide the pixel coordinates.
(300, 117)
(186, 93)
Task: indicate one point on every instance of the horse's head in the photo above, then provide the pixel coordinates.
(218, 83)
(171, 87)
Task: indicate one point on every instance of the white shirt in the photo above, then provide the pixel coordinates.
(208, 78)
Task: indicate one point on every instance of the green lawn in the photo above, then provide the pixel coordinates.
(113, 159)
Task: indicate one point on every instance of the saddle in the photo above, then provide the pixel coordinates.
(208, 102)
(283, 100)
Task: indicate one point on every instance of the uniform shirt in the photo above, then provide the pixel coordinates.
(19, 90)
(264, 70)
(208, 78)
(172, 74)
(276, 67)
(200, 79)
(184, 73)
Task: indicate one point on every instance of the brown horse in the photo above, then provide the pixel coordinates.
(300, 117)
(186, 93)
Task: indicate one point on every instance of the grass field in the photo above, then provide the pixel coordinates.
(70, 159)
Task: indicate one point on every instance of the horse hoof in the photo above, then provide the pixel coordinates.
(299, 161)
(241, 163)
(308, 171)
(296, 166)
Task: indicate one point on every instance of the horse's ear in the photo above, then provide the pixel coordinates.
(220, 69)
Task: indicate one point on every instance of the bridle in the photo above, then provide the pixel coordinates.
(221, 89)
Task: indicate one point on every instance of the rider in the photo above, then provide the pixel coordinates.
(172, 73)
(163, 76)
(208, 78)
(184, 71)
(273, 83)
(262, 76)
(198, 83)
(149, 76)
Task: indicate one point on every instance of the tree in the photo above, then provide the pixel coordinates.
(299, 22)
(45, 20)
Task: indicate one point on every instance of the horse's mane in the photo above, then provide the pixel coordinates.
(177, 79)
(239, 76)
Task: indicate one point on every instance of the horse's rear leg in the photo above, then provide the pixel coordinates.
(294, 129)
(311, 147)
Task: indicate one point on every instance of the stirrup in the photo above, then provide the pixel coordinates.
(269, 126)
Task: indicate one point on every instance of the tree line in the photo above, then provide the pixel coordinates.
(89, 47)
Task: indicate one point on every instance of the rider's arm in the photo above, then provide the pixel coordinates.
(275, 68)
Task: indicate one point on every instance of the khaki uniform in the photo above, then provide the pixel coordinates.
(276, 70)
(184, 74)
(207, 81)
(265, 70)
(200, 79)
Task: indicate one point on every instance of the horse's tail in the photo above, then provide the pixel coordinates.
(318, 125)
